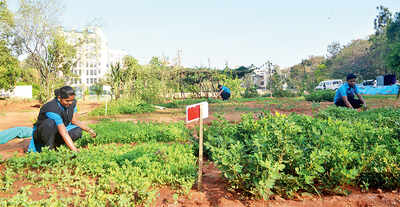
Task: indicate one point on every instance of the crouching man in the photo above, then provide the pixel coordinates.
(345, 94)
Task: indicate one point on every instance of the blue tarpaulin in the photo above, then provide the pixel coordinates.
(379, 90)
(20, 132)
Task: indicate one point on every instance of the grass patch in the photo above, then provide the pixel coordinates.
(122, 107)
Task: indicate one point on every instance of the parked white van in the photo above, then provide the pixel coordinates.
(329, 84)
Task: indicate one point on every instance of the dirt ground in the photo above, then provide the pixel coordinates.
(214, 188)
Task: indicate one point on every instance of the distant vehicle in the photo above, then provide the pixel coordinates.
(329, 85)
(369, 83)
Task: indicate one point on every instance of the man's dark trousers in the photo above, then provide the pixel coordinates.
(225, 96)
(356, 103)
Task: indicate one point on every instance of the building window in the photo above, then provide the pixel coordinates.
(80, 72)
(87, 80)
(95, 80)
(87, 72)
(95, 72)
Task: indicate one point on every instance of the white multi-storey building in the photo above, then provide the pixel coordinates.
(94, 57)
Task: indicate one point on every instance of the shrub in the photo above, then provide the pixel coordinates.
(250, 92)
(284, 93)
(320, 96)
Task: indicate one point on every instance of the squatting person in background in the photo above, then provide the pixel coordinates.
(224, 92)
(345, 94)
(58, 123)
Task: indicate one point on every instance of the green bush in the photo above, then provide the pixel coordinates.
(123, 106)
(287, 155)
(284, 93)
(320, 96)
(250, 92)
(129, 132)
(380, 117)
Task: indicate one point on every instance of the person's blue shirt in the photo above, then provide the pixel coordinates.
(58, 120)
(227, 90)
(345, 90)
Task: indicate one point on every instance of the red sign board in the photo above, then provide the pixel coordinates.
(193, 112)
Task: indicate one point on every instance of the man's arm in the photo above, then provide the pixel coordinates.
(357, 92)
(361, 99)
(84, 127)
(346, 101)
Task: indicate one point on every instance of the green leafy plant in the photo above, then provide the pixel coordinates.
(286, 155)
(320, 96)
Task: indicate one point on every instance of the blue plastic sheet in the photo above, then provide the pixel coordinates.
(379, 90)
(16, 132)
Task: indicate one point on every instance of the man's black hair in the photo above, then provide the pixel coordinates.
(219, 85)
(350, 76)
(64, 92)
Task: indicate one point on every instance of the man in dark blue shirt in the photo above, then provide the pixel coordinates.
(345, 94)
(224, 92)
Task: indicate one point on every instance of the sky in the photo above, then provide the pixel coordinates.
(236, 32)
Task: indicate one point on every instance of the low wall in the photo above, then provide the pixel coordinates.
(379, 90)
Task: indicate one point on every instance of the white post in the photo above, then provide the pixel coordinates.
(105, 113)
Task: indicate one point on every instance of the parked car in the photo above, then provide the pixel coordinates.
(329, 85)
(369, 83)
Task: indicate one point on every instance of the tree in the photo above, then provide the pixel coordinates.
(379, 47)
(116, 80)
(98, 90)
(38, 32)
(334, 49)
(393, 41)
(6, 25)
(382, 20)
(9, 68)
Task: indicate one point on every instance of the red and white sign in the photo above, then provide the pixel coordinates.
(193, 112)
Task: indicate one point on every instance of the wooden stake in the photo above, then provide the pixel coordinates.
(106, 108)
(200, 172)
